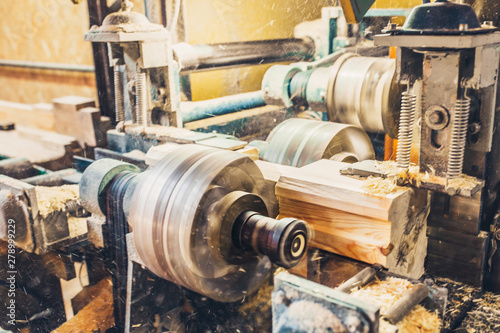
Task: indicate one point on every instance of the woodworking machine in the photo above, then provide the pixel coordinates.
(192, 206)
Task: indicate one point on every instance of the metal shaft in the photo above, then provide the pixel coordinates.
(358, 280)
(141, 99)
(201, 57)
(405, 134)
(192, 111)
(119, 109)
(405, 304)
(283, 241)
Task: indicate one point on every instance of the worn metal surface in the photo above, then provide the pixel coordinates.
(192, 111)
(95, 180)
(201, 57)
(298, 142)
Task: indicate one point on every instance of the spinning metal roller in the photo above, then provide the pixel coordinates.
(199, 221)
(298, 142)
(362, 92)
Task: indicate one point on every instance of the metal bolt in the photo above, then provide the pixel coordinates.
(435, 118)
(474, 128)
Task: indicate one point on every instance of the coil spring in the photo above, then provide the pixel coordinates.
(141, 99)
(119, 111)
(458, 136)
(405, 134)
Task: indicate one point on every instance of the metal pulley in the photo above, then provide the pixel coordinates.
(199, 221)
(298, 142)
(355, 90)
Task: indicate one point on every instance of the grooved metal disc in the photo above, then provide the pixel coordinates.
(172, 221)
(298, 142)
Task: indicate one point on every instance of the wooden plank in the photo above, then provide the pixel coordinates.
(449, 257)
(47, 149)
(456, 213)
(34, 116)
(341, 232)
(96, 316)
(77, 116)
(387, 229)
(321, 183)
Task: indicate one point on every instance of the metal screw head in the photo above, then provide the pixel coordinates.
(474, 128)
(437, 117)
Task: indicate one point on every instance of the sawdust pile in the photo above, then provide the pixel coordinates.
(77, 226)
(383, 186)
(386, 293)
(414, 175)
(54, 198)
(380, 186)
(459, 297)
(484, 316)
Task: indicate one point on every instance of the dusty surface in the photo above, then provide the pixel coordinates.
(484, 315)
(460, 296)
(54, 198)
(386, 293)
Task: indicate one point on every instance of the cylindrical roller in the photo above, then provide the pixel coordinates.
(182, 214)
(95, 180)
(195, 58)
(362, 92)
(358, 280)
(298, 142)
(406, 303)
(283, 241)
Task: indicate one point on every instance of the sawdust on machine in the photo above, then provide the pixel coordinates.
(385, 293)
(383, 186)
(54, 198)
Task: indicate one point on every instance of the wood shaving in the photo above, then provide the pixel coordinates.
(77, 226)
(459, 296)
(464, 181)
(380, 186)
(413, 174)
(484, 316)
(386, 293)
(54, 198)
